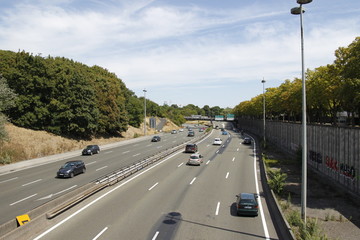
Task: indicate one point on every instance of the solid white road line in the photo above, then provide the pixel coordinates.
(266, 232)
(100, 233)
(31, 182)
(192, 181)
(155, 236)
(101, 168)
(23, 199)
(8, 180)
(153, 186)
(217, 209)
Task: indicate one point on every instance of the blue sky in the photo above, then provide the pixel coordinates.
(201, 52)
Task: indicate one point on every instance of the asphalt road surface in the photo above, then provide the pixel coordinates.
(24, 190)
(171, 200)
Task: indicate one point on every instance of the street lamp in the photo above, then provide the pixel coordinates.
(300, 11)
(144, 112)
(263, 82)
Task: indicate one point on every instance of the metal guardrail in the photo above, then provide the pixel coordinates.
(120, 174)
(116, 176)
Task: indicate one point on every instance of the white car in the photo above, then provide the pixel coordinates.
(195, 159)
(217, 141)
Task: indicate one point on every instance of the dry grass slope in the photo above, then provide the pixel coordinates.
(28, 144)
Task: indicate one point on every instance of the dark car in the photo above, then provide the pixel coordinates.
(156, 139)
(247, 204)
(91, 149)
(191, 148)
(71, 168)
(247, 140)
(191, 134)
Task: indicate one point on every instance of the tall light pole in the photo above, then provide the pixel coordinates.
(300, 11)
(263, 82)
(144, 112)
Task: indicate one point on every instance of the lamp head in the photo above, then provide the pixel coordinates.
(297, 10)
(303, 1)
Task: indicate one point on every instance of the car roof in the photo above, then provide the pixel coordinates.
(74, 161)
(195, 154)
(247, 196)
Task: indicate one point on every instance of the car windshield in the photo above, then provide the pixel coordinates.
(67, 165)
(194, 157)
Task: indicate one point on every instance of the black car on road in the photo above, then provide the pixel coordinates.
(71, 168)
(156, 139)
(91, 149)
(247, 140)
(191, 148)
(247, 204)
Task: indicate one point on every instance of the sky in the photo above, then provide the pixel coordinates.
(201, 52)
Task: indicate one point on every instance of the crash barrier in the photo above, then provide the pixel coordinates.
(120, 174)
(40, 215)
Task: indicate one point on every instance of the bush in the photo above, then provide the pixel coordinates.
(311, 231)
(5, 159)
(277, 180)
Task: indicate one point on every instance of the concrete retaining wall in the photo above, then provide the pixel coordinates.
(333, 152)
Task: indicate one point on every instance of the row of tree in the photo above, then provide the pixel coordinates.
(330, 89)
(69, 98)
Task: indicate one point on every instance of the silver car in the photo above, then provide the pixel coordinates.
(195, 159)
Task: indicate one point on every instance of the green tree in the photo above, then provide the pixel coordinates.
(7, 100)
(348, 62)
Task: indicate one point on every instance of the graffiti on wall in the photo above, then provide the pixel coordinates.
(342, 168)
(315, 156)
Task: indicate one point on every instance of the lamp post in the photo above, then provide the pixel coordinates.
(263, 82)
(144, 112)
(300, 11)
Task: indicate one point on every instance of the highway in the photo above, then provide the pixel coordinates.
(26, 189)
(171, 200)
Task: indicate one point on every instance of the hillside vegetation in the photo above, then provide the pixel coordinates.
(26, 144)
(71, 101)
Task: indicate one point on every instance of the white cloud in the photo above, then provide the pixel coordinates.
(149, 44)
